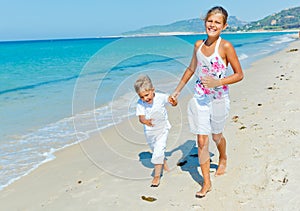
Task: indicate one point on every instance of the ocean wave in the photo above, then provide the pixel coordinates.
(243, 56)
(90, 73)
(141, 64)
(284, 38)
(251, 43)
(22, 154)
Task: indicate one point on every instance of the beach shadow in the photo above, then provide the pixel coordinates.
(189, 161)
(145, 159)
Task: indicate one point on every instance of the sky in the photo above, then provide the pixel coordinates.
(55, 19)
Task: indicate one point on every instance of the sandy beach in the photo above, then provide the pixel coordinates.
(112, 169)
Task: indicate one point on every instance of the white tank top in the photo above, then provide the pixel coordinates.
(212, 66)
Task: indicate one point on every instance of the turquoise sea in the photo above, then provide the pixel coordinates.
(54, 93)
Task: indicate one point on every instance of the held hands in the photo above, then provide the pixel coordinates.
(173, 100)
(210, 82)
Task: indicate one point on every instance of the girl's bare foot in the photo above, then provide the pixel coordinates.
(221, 167)
(155, 181)
(204, 190)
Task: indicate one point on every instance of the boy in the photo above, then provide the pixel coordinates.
(153, 115)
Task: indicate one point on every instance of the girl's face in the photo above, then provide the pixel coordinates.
(214, 25)
(147, 96)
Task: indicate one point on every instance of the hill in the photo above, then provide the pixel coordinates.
(286, 19)
(191, 25)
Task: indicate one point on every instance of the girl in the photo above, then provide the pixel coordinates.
(209, 107)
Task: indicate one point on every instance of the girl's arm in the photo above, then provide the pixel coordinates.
(188, 72)
(232, 58)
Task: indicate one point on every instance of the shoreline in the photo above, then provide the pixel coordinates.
(194, 33)
(161, 34)
(71, 179)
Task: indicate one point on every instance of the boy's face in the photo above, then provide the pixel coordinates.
(147, 96)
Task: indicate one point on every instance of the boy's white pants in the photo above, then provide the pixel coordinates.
(157, 141)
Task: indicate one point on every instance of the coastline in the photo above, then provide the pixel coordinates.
(161, 34)
(196, 33)
(80, 177)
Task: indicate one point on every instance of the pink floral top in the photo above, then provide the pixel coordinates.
(213, 66)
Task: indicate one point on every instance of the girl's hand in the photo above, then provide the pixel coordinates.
(210, 82)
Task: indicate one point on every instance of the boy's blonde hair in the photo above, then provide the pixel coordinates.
(143, 83)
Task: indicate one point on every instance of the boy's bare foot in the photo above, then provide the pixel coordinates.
(155, 181)
(166, 167)
(204, 190)
(221, 167)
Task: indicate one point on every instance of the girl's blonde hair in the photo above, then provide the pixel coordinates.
(217, 10)
(143, 83)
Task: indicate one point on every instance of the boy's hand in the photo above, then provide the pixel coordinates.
(172, 101)
(148, 122)
(145, 121)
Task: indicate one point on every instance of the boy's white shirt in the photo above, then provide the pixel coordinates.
(156, 110)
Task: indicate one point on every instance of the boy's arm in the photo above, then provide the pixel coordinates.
(145, 121)
(140, 112)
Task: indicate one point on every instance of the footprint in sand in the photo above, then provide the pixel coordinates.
(243, 194)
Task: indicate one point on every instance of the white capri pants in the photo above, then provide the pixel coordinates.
(157, 141)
